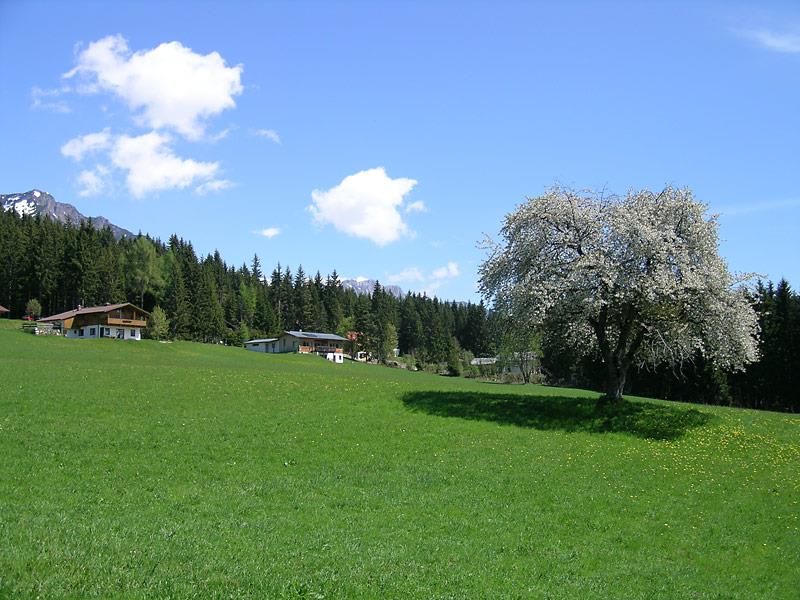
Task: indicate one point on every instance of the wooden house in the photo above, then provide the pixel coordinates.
(118, 321)
(303, 342)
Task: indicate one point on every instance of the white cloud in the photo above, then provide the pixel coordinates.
(364, 205)
(418, 206)
(214, 185)
(48, 99)
(426, 283)
(152, 166)
(269, 232)
(412, 274)
(270, 134)
(93, 182)
(78, 147)
(216, 137)
(148, 161)
(172, 86)
(448, 271)
(431, 288)
(788, 43)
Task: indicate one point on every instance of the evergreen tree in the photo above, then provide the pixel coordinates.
(211, 326)
(85, 265)
(301, 302)
(319, 319)
(285, 300)
(176, 301)
(265, 319)
(331, 298)
(411, 333)
(255, 270)
(112, 275)
(363, 323)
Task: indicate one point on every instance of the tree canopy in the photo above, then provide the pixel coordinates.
(635, 279)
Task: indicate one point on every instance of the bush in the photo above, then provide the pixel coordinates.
(157, 324)
(33, 309)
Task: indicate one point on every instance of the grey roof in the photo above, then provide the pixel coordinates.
(260, 341)
(312, 335)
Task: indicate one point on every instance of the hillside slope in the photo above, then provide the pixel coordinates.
(189, 470)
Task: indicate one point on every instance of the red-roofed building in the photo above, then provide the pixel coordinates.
(120, 321)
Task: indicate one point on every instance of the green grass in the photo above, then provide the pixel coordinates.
(182, 470)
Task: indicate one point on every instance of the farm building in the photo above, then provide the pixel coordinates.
(262, 345)
(304, 342)
(119, 321)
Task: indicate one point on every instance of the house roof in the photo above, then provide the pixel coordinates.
(313, 335)
(90, 310)
(261, 340)
(3, 309)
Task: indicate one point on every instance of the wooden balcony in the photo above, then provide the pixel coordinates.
(326, 349)
(127, 322)
(319, 349)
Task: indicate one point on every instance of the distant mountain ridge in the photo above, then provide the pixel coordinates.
(37, 202)
(365, 287)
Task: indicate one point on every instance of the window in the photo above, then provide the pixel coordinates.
(107, 331)
(133, 333)
(91, 332)
(80, 332)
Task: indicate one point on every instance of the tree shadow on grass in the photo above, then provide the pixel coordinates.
(641, 419)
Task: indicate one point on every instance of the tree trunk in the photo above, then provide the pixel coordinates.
(615, 380)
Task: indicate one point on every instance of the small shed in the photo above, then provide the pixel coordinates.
(262, 345)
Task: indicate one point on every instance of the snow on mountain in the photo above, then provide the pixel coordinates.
(36, 202)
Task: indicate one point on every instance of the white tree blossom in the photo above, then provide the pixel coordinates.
(638, 279)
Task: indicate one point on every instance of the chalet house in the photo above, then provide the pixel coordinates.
(304, 342)
(119, 321)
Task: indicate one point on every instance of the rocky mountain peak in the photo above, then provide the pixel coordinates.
(38, 203)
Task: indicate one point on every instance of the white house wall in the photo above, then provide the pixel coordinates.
(269, 347)
(93, 332)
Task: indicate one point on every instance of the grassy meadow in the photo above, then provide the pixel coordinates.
(155, 470)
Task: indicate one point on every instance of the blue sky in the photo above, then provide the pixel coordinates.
(384, 139)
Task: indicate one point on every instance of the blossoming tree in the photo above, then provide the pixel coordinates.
(636, 279)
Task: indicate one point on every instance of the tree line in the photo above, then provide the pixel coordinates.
(205, 299)
(60, 266)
